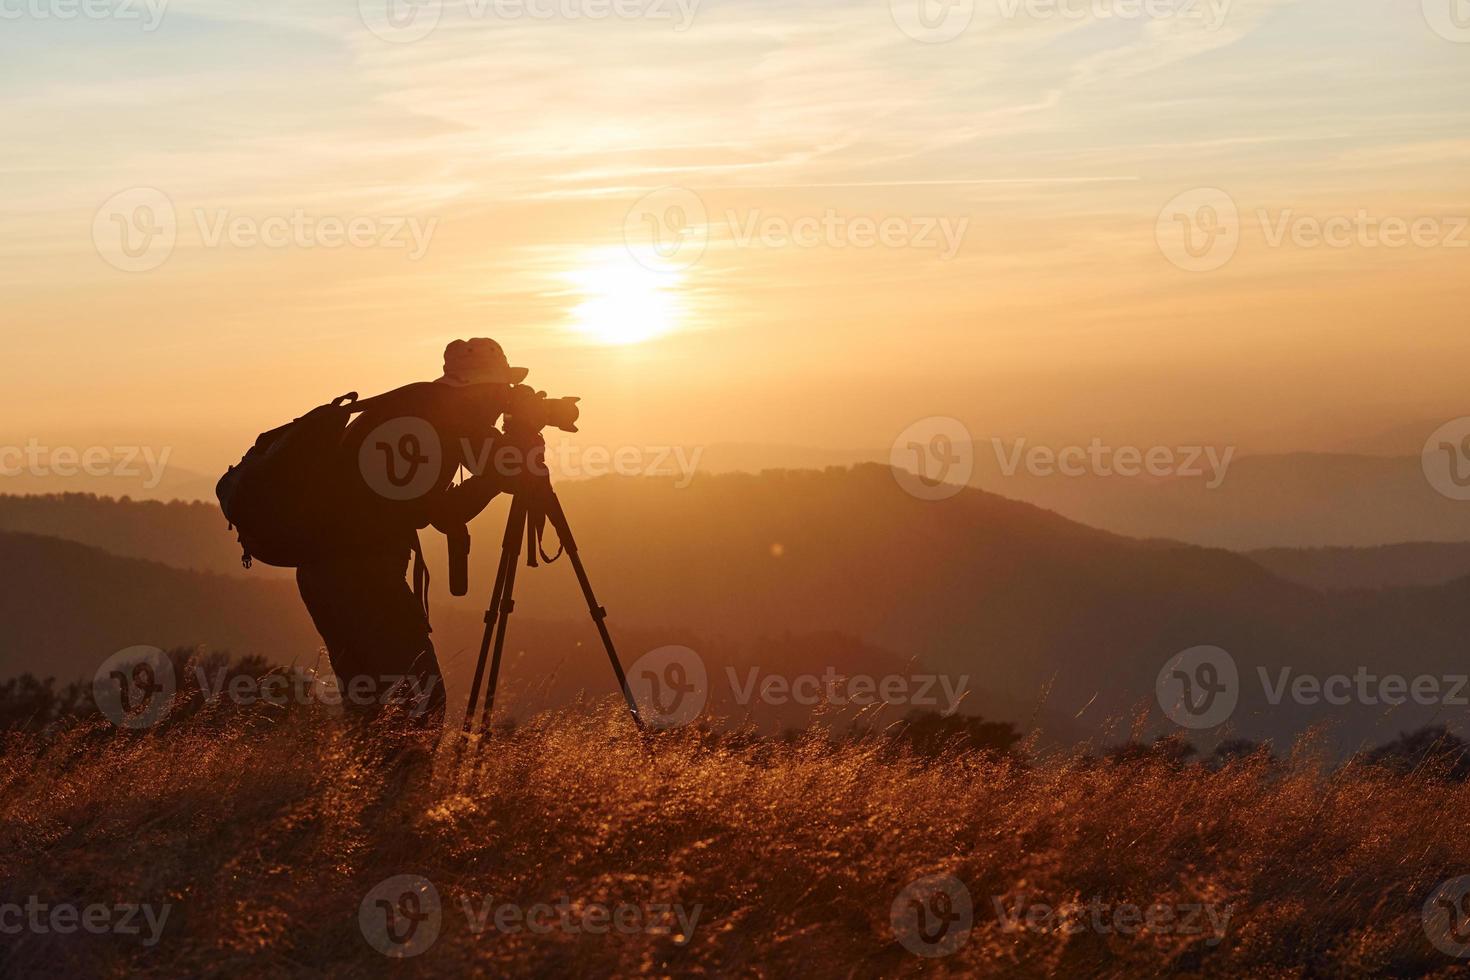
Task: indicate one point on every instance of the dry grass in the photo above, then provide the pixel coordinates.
(264, 841)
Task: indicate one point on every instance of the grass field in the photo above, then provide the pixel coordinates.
(265, 849)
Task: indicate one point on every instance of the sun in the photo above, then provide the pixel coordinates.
(621, 301)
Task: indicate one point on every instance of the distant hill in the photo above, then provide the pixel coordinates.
(137, 481)
(1296, 500)
(180, 534)
(1387, 566)
(1292, 500)
(1371, 494)
(1043, 614)
(66, 607)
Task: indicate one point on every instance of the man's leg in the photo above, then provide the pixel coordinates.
(376, 636)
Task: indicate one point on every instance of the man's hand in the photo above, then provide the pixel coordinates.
(520, 455)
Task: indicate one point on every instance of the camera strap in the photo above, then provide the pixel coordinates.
(535, 535)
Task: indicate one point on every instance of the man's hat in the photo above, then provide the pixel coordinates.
(479, 361)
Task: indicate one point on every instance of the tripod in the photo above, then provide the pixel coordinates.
(533, 504)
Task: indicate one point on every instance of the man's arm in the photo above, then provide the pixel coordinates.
(462, 503)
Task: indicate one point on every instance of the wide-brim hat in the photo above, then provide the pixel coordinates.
(479, 361)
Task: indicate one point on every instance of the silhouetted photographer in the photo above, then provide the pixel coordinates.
(342, 499)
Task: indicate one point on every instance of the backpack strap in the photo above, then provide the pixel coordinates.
(421, 579)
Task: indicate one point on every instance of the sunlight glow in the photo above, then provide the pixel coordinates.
(622, 301)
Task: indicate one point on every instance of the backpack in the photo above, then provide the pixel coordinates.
(280, 497)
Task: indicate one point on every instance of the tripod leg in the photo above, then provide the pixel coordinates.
(492, 613)
(558, 518)
(514, 531)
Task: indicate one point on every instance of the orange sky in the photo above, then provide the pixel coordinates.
(498, 172)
